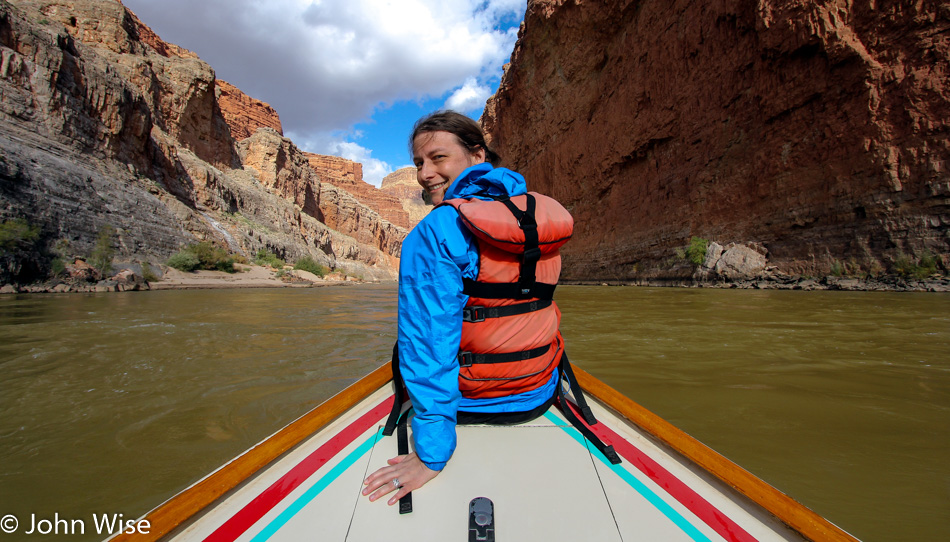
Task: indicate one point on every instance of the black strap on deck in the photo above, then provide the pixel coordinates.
(608, 451)
(399, 398)
(402, 448)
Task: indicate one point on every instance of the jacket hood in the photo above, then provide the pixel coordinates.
(485, 181)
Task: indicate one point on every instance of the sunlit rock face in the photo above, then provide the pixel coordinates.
(244, 114)
(815, 130)
(104, 124)
(402, 185)
(348, 175)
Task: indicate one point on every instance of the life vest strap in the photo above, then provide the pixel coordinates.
(478, 313)
(467, 359)
(532, 251)
(507, 290)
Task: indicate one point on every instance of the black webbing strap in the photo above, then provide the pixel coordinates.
(507, 290)
(568, 372)
(402, 448)
(478, 313)
(608, 451)
(532, 250)
(399, 398)
(466, 359)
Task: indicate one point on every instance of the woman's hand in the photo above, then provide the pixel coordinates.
(409, 470)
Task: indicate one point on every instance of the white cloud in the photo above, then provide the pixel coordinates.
(325, 65)
(470, 97)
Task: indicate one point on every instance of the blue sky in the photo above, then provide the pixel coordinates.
(349, 77)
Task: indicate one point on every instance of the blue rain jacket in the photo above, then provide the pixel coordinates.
(436, 255)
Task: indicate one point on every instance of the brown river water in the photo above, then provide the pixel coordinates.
(111, 403)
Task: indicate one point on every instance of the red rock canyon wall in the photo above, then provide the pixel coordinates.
(815, 130)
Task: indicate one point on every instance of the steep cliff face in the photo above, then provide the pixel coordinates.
(816, 130)
(103, 124)
(402, 185)
(244, 114)
(348, 175)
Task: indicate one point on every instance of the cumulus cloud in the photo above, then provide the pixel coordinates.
(470, 97)
(326, 64)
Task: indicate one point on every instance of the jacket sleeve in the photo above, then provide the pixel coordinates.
(435, 256)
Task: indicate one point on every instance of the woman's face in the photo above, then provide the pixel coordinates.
(439, 159)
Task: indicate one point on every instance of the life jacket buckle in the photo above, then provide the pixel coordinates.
(465, 359)
(475, 313)
(533, 253)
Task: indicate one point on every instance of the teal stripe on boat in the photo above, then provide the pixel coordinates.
(321, 484)
(632, 480)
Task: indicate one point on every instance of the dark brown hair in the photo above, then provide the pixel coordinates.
(466, 130)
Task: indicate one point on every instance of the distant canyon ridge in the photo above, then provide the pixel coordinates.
(792, 136)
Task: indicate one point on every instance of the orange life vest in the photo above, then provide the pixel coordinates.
(510, 339)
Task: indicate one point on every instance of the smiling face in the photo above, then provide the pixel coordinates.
(439, 159)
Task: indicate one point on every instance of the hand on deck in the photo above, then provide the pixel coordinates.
(409, 470)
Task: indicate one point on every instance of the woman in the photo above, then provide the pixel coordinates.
(440, 257)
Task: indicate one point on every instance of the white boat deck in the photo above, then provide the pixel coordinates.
(544, 481)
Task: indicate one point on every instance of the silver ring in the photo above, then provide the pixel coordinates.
(396, 482)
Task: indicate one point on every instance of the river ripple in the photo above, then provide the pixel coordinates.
(114, 402)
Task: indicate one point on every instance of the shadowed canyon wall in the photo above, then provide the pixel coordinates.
(813, 131)
(104, 124)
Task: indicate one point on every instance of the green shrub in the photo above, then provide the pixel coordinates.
(148, 274)
(184, 261)
(924, 267)
(696, 251)
(203, 255)
(307, 264)
(837, 268)
(101, 257)
(904, 265)
(265, 257)
(58, 267)
(17, 233)
(212, 257)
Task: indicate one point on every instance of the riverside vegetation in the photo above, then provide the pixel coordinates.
(39, 265)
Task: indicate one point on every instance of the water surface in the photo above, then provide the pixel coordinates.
(111, 403)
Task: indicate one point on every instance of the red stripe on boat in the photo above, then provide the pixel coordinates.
(699, 506)
(263, 503)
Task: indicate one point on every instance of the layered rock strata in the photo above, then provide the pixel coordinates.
(244, 114)
(100, 128)
(348, 175)
(402, 185)
(817, 129)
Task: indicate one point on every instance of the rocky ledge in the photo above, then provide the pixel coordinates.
(887, 283)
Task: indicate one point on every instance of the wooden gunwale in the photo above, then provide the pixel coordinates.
(196, 498)
(791, 512)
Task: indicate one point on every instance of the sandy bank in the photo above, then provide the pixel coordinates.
(248, 276)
